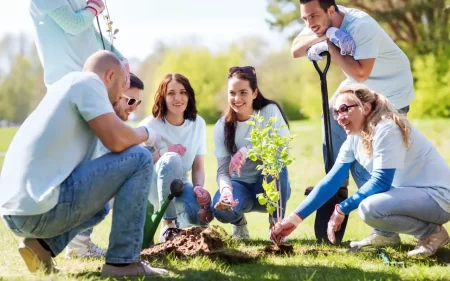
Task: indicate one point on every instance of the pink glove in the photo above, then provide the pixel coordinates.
(334, 224)
(97, 6)
(284, 228)
(127, 68)
(238, 160)
(177, 148)
(226, 201)
(203, 196)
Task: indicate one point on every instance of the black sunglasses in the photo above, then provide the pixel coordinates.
(343, 108)
(245, 69)
(132, 101)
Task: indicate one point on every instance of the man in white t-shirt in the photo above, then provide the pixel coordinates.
(366, 54)
(81, 245)
(52, 190)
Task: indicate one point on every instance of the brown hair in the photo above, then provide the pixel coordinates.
(381, 110)
(244, 73)
(159, 109)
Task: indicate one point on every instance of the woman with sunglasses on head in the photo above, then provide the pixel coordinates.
(239, 181)
(184, 145)
(409, 188)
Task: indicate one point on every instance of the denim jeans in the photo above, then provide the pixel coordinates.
(83, 204)
(408, 210)
(246, 194)
(184, 209)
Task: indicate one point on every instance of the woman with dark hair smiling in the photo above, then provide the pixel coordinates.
(239, 181)
(184, 145)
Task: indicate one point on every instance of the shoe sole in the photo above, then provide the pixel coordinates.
(29, 257)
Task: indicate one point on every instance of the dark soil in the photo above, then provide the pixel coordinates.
(279, 249)
(197, 240)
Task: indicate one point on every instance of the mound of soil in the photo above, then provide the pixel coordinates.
(279, 249)
(193, 241)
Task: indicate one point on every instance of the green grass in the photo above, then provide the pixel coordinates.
(313, 262)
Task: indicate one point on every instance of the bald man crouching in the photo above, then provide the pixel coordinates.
(50, 188)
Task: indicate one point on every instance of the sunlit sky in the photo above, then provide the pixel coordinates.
(144, 23)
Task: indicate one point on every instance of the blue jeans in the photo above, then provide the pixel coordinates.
(407, 210)
(184, 209)
(246, 194)
(83, 204)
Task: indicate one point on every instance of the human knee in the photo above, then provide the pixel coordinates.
(369, 210)
(143, 154)
(172, 161)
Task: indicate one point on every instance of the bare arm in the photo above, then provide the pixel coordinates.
(303, 42)
(198, 170)
(116, 135)
(358, 69)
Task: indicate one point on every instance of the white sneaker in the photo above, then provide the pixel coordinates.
(168, 232)
(429, 245)
(240, 232)
(376, 240)
(83, 247)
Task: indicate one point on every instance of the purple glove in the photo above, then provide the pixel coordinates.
(203, 196)
(342, 40)
(97, 6)
(226, 201)
(238, 161)
(314, 52)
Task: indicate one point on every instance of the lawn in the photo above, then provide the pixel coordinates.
(312, 261)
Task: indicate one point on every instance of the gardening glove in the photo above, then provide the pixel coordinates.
(127, 68)
(238, 160)
(342, 40)
(154, 139)
(284, 228)
(202, 195)
(334, 224)
(226, 201)
(177, 148)
(315, 50)
(97, 6)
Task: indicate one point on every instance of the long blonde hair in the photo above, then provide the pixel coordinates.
(381, 110)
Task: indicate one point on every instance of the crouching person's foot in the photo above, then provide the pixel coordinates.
(376, 240)
(82, 247)
(428, 246)
(168, 231)
(36, 257)
(139, 269)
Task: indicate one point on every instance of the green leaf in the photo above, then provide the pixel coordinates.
(268, 187)
(116, 31)
(273, 196)
(262, 200)
(272, 119)
(251, 123)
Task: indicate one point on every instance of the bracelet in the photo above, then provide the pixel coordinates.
(95, 10)
(148, 133)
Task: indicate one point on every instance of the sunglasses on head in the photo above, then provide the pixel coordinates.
(245, 69)
(343, 108)
(132, 101)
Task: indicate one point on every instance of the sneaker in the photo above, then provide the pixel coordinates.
(138, 269)
(36, 257)
(428, 246)
(376, 240)
(168, 231)
(83, 247)
(240, 232)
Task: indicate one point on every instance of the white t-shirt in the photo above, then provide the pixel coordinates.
(60, 52)
(192, 135)
(418, 165)
(391, 75)
(249, 173)
(51, 143)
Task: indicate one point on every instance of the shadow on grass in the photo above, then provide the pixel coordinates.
(282, 272)
(268, 272)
